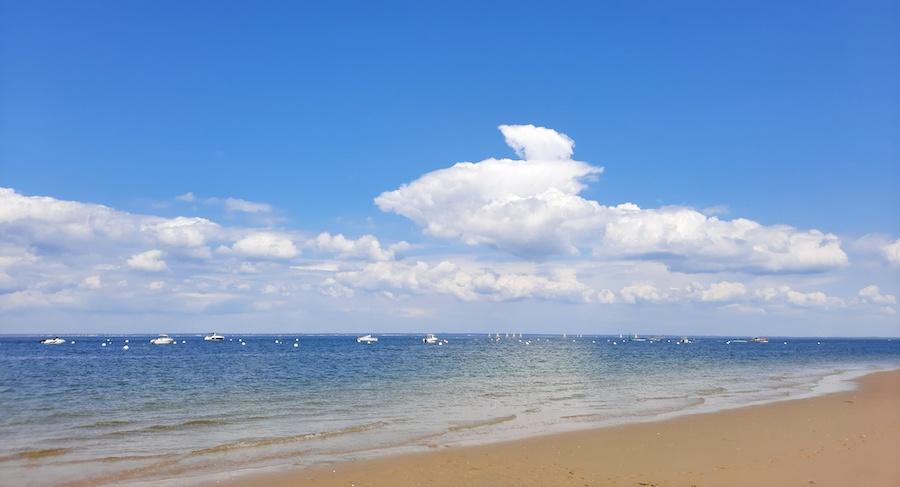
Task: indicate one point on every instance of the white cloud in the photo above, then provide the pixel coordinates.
(150, 261)
(468, 285)
(686, 239)
(716, 210)
(720, 291)
(528, 207)
(643, 292)
(891, 252)
(786, 295)
(234, 204)
(189, 196)
(606, 297)
(266, 245)
(531, 208)
(366, 247)
(44, 220)
(872, 294)
(537, 143)
(91, 282)
(190, 234)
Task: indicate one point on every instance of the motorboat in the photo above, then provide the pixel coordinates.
(430, 339)
(53, 341)
(366, 339)
(759, 340)
(684, 340)
(214, 337)
(162, 339)
(636, 338)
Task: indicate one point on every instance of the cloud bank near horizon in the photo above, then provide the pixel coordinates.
(561, 249)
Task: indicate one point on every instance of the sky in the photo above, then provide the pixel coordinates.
(672, 168)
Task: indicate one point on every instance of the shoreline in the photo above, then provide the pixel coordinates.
(842, 438)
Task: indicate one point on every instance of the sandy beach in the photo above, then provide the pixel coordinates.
(842, 439)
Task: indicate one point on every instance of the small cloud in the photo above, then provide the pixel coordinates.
(366, 247)
(537, 143)
(234, 204)
(239, 205)
(643, 292)
(606, 297)
(716, 210)
(189, 196)
(722, 291)
(267, 246)
(91, 282)
(872, 294)
(148, 261)
(786, 295)
(891, 252)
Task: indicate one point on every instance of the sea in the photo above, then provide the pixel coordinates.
(118, 410)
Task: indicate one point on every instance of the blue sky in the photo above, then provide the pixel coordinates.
(682, 168)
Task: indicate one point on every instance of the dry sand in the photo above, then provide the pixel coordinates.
(843, 439)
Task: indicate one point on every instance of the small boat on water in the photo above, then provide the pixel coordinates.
(430, 339)
(684, 340)
(636, 338)
(162, 339)
(52, 341)
(214, 337)
(752, 340)
(366, 339)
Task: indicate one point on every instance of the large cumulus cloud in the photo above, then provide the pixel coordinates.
(531, 207)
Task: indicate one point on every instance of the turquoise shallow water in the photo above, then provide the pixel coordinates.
(193, 410)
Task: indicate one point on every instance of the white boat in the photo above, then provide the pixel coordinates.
(366, 339)
(759, 340)
(430, 339)
(53, 341)
(214, 337)
(636, 338)
(163, 340)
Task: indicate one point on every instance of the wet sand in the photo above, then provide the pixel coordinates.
(842, 439)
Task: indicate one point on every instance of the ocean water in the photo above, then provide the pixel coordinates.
(191, 412)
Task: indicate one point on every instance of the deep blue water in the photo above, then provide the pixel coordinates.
(86, 412)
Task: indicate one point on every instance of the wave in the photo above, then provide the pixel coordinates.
(158, 428)
(194, 423)
(577, 395)
(243, 445)
(481, 424)
(714, 391)
(36, 454)
(580, 416)
(126, 458)
(105, 424)
(659, 398)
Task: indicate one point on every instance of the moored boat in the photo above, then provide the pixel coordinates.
(53, 341)
(214, 337)
(366, 339)
(162, 339)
